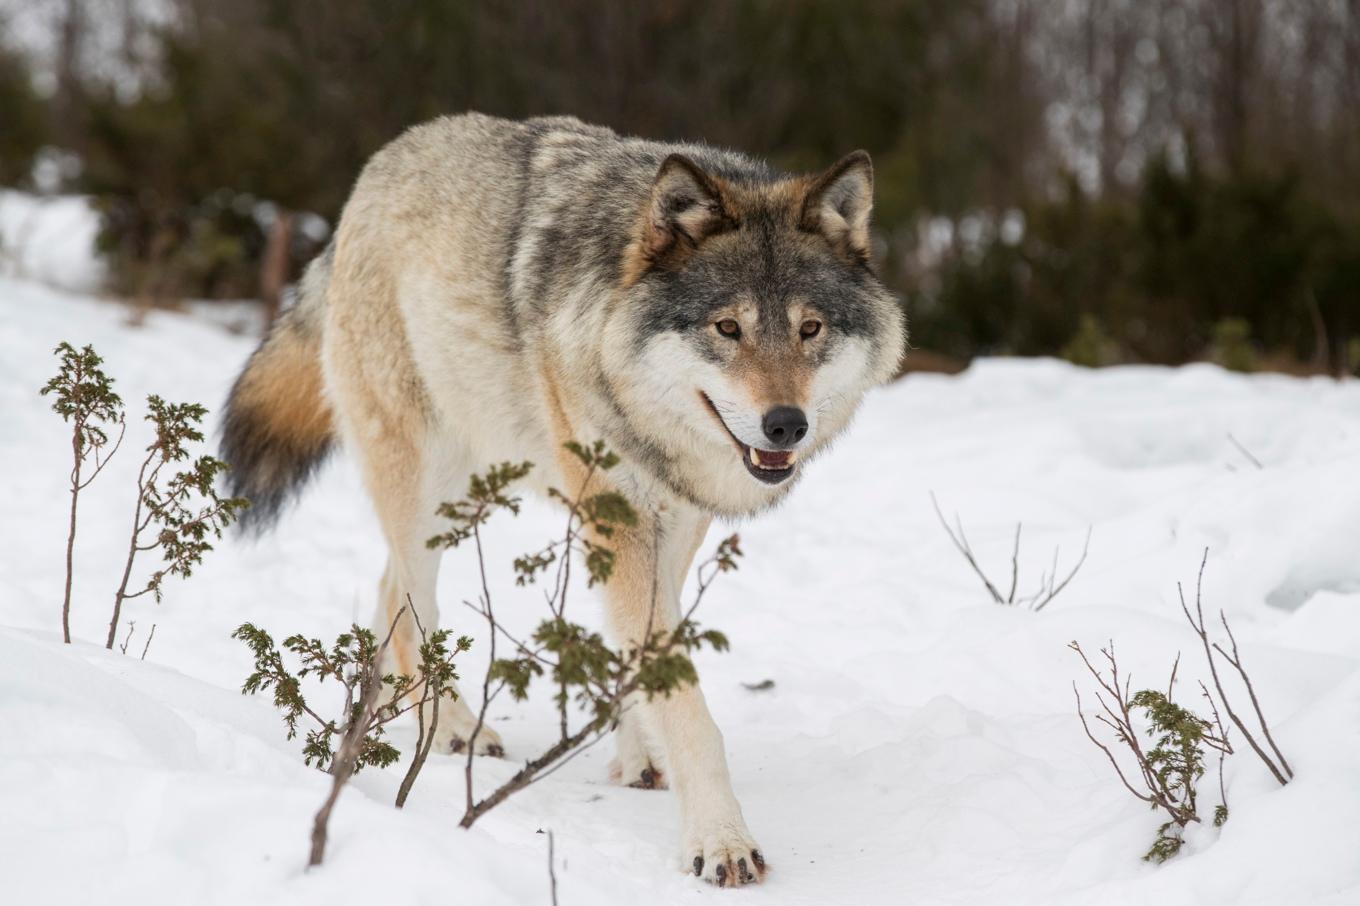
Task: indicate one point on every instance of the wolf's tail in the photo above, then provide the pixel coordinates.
(278, 426)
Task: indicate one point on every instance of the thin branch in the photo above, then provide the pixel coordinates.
(961, 544)
(1108, 754)
(1054, 592)
(1236, 662)
(1015, 565)
(486, 679)
(424, 737)
(1197, 624)
(342, 768)
(1245, 452)
(552, 871)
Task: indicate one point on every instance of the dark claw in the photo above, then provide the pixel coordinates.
(457, 746)
(495, 751)
(757, 858)
(745, 872)
(721, 872)
(698, 866)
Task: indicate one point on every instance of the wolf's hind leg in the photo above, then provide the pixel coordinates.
(637, 759)
(415, 575)
(407, 475)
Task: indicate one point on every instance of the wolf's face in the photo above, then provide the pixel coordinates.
(750, 327)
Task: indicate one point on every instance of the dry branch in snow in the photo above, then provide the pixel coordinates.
(1275, 760)
(1049, 586)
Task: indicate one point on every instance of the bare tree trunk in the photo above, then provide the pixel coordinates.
(274, 264)
(71, 31)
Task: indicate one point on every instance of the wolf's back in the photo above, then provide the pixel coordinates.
(278, 427)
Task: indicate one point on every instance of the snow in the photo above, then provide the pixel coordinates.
(919, 744)
(49, 239)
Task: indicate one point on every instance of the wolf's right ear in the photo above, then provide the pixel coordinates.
(838, 205)
(686, 207)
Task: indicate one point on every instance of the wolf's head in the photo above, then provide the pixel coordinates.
(749, 324)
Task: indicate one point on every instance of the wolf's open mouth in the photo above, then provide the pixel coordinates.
(769, 466)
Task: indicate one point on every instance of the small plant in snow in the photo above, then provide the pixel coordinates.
(84, 397)
(356, 739)
(1168, 772)
(177, 515)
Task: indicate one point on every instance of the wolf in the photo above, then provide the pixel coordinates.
(497, 288)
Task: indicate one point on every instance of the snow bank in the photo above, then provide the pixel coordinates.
(50, 240)
(919, 743)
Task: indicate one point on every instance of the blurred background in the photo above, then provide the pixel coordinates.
(1104, 180)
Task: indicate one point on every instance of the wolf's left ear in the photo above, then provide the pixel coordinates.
(686, 207)
(838, 205)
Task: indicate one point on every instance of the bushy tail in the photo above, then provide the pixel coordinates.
(278, 426)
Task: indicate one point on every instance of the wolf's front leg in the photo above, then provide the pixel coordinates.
(644, 594)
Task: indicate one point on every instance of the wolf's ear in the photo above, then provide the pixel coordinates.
(838, 204)
(686, 207)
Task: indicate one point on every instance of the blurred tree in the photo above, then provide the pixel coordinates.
(1149, 167)
(25, 119)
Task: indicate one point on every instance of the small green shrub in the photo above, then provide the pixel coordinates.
(1232, 347)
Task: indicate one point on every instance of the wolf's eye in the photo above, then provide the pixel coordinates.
(728, 328)
(810, 329)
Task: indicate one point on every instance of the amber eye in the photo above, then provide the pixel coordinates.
(729, 328)
(810, 329)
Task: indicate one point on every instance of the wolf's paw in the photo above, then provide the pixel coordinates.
(634, 765)
(724, 854)
(648, 777)
(454, 739)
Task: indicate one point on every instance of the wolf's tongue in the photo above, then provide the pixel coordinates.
(771, 459)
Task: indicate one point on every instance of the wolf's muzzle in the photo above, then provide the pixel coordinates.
(785, 426)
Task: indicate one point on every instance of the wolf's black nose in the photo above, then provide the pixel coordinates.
(784, 426)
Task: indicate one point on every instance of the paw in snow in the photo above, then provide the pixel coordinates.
(723, 853)
(648, 777)
(488, 743)
(456, 728)
(634, 765)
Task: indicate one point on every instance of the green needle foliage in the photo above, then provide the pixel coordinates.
(354, 661)
(177, 516)
(1168, 772)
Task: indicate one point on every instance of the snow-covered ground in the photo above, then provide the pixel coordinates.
(49, 239)
(919, 744)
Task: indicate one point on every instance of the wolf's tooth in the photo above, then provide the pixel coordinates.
(755, 459)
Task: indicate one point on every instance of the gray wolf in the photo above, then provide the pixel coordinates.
(495, 289)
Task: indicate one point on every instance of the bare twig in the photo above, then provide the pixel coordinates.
(1053, 592)
(1236, 662)
(552, 870)
(1047, 590)
(150, 636)
(1245, 452)
(430, 692)
(961, 544)
(1281, 772)
(469, 799)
